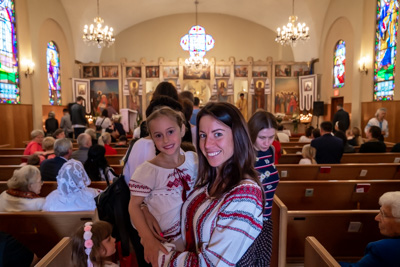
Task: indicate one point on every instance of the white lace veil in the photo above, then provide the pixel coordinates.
(72, 178)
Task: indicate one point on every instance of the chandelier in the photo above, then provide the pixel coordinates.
(291, 33)
(97, 35)
(197, 42)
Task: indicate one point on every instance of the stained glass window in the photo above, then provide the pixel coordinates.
(339, 62)
(9, 77)
(53, 74)
(385, 49)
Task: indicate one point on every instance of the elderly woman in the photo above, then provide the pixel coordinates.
(72, 193)
(23, 191)
(35, 145)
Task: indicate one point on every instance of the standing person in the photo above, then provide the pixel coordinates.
(329, 148)
(78, 118)
(223, 215)
(163, 183)
(66, 124)
(379, 121)
(103, 123)
(93, 244)
(196, 110)
(241, 104)
(384, 252)
(262, 128)
(51, 123)
(342, 116)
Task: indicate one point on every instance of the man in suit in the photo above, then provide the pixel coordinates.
(343, 117)
(384, 252)
(50, 167)
(84, 142)
(329, 148)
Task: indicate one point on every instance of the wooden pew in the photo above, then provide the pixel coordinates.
(387, 157)
(293, 149)
(315, 255)
(20, 151)
(334, 195)
(41, 231)
(331, 227)
(346, 171)
(6, 171)
(114, 159)
(59, 255)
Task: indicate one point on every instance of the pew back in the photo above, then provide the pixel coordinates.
(350, 158)
(59, 255)
(315, 255)
(41, 231)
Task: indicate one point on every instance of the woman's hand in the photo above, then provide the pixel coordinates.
(151, 248)
(152, 223)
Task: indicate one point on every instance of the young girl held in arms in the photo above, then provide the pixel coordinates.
(162, 183)
(92, 244)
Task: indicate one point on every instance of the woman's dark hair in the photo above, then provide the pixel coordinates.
(375, 132)
(316, 133)
(160, 101)
(342, 136)
(309, 131)
(104, 113)
(96, 160)
(237, 168)
(166, 89)
(261, 120)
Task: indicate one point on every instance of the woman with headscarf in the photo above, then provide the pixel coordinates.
(72, 193)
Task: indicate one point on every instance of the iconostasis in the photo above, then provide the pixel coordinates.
(273, 86)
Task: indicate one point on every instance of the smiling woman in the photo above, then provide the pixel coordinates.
(227, 201)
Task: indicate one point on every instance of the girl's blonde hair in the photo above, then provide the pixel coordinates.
(168, 112)
(309, 152)
(357, 136)
(100, 231)
(105, 138)
(48, 143)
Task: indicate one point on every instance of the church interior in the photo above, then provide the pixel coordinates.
(337, 60)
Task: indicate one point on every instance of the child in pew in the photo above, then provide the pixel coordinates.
(93, 244)
(308, 153)
(162, 183)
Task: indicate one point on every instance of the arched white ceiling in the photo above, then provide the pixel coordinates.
(122, 14)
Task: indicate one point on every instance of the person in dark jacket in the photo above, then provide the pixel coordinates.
(78, 118)
(373, 145)
(329, 148)
(342, 116)
(51, 124)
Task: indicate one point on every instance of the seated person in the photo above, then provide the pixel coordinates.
(346, 147)
(49, 168)
(354, 137)
(329, 148)
(13, 253)
(72, 193)
(23, 191)
(308, 153)
(58, 134)
(373, 145)
(122, 141)
(308, 135)
(92, 134)
(282, 136)
(396, 148)
(96, 165)
(85, 142)
(105, 140)
(384, 252)
(118, 128)
(315, 133)
(48, 148)
(35, 145)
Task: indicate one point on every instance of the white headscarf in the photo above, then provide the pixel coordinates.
(72, 178)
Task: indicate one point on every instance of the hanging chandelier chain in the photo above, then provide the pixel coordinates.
(196, 3)
(292, 7)
(98, 8)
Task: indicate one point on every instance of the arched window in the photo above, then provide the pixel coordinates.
(53, 74)
(339, 64)
(9, 77)
(385, 49)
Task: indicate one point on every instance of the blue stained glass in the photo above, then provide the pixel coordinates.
(385, 49)
(9, 77)
(339, 62)
(53, 74)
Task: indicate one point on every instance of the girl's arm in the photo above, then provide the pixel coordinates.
(150, 243)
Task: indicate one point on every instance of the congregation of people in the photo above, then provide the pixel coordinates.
(201, 178)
